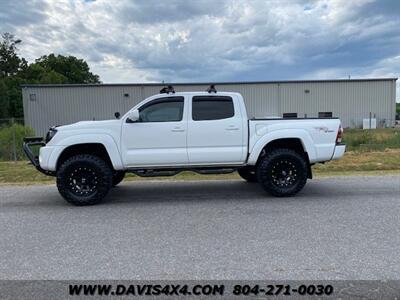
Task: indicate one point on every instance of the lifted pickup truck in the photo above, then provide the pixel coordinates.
(206, 132)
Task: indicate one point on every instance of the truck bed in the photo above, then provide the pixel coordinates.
(318, 135)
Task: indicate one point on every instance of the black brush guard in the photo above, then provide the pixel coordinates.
(35, 141)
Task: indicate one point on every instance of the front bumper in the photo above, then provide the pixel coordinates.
(340, 149)
(35, 141)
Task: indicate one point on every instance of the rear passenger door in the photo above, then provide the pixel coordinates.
(215, 130)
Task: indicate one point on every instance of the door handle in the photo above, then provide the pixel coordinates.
(177, 129)
(232, 128)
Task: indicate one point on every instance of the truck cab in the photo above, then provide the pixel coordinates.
(183, 129)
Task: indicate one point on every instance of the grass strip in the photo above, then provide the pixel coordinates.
(353, 163)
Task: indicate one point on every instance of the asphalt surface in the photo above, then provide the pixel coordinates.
(336, 228)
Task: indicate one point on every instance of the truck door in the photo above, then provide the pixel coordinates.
(158, 138)
(215, 130)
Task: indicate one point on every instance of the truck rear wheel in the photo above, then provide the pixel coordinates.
(282, 172)
(84, 179)
(248, 174)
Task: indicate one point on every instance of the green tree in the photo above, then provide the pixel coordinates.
(10, 63)
(14, 93)
(73, 69)
(36, 73)
(48, 69)
(4, 101)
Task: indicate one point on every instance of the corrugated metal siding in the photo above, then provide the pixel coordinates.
(350, 100)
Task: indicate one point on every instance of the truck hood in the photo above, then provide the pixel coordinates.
(107, 124)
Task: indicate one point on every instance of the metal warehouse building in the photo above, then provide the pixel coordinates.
(352, 100)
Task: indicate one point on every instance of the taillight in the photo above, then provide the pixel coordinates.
(339, 136)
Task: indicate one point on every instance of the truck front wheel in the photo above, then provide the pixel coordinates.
(84, 179)
(282, 172)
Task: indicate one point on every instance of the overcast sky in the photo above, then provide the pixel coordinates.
(213, 40)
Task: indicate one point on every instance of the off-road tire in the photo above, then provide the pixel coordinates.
(282, 172)
(118, 176)
(84, 179)
(248, 174)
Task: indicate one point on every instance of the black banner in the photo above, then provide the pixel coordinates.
(265, 289)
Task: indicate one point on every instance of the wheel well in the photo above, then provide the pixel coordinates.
(288, 143)
(93, 148)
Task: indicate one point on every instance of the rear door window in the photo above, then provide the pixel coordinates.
(212, 108)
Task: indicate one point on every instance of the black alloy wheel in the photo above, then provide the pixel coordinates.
(84, 179)
(282, 172)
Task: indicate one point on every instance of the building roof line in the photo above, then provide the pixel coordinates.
(206, 83)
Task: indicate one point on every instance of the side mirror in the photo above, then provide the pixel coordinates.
(133, 116)
(117, 114)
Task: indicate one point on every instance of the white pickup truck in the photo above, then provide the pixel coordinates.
(206, 132)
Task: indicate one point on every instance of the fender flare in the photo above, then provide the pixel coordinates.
(300, 134)
(88, 138)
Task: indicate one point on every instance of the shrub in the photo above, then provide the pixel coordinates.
(394, 141)
(354, 138)
(382, 137)
(7, 140)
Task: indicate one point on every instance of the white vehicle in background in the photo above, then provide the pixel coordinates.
(206, 132)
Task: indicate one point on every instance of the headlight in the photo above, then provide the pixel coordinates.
(50, 134)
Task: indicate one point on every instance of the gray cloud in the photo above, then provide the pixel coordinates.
(172, 11)
(14, 14)
(209, 40)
